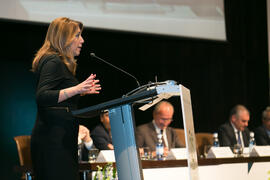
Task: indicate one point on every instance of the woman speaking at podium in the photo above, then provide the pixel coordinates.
(55, 134)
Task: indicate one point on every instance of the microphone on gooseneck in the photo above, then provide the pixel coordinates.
(93, 55)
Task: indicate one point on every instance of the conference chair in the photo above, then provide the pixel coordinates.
(23, 147)
(181, 135)
(202, 140)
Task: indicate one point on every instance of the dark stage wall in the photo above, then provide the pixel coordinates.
(218, 74)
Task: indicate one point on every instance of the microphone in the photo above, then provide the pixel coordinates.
(93, 55)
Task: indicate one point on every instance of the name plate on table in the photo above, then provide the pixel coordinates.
(220, 152)
(260, 151)
(177, 153)
(106, 156)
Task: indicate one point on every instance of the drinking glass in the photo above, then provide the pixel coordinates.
(238, 150)
(145, 153)
(92, 155)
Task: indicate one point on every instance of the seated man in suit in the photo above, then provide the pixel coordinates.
(85, 142)
(262, 133)
(235, 131)
(146, 134)
(101, 134)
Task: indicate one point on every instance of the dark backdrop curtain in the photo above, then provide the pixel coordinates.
(219, 74)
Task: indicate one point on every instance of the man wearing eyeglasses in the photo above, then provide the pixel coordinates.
(262, 133)
(146, 134)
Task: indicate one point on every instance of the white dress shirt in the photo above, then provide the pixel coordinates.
(236, 135)
(88, 145)
(158, 131)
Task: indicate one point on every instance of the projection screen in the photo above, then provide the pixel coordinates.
(185, 18)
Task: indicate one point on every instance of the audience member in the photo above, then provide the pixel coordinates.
(85, 142)
(235, 131)
(101, 134)
(262, 133)
(146, 134)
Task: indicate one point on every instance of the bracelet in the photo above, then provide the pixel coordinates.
(66, 95)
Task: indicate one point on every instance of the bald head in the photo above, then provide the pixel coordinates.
(163, 114)
(239, 117)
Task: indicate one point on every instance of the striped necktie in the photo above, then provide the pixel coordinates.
(239, 138)
(163, 140)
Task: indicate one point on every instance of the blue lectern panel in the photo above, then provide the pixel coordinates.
(126, 153)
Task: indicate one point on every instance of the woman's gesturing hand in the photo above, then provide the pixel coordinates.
(89, 86)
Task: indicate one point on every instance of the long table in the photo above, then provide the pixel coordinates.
(246, 168)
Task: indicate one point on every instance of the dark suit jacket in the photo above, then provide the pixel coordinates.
(261, 136)
(101, 137)
(226, 135)
(146, 136)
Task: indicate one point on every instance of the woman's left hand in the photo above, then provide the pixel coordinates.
(94, 89)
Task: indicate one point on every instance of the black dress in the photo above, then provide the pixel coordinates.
(55, 134)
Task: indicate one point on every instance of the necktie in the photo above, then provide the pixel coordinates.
(239, 138)
(163, 140)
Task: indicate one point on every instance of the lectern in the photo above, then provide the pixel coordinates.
(122, 125)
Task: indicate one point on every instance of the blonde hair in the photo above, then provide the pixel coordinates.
(60, 35)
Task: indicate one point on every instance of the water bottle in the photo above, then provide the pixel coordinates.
(215, 142)
(28, 176)
(159, 148)
(251, 141)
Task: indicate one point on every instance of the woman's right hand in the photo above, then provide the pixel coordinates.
(89, 86)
